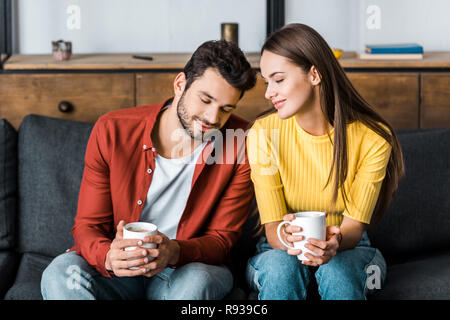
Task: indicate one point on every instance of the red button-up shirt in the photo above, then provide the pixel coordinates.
(116, 180)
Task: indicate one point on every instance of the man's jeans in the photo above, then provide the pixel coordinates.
(350, 275)
(70, 277)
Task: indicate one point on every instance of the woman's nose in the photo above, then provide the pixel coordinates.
(270, 93)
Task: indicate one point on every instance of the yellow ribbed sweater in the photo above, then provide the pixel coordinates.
(290, 169)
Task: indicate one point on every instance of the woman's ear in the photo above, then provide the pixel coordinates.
(179, 84)
(314, 76)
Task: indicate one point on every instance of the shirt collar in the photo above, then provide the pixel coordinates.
(150, 119)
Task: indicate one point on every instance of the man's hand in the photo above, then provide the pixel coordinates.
(166, 253)
(117, 258)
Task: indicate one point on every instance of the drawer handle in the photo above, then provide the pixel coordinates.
(65, 107)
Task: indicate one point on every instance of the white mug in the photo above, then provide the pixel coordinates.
(313, 224)
(139, 230)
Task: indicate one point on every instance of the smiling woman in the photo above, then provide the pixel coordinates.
(332, 153)
(296, 87)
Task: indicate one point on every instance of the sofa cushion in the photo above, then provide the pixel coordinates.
(418, 218)
(28, 280)
(8, 183)
(9, 262)
(51, 163)
(424, 278)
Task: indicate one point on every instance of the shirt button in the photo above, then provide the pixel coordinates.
(149, 171)
(153, 149)
(139, 202)
(144, 147)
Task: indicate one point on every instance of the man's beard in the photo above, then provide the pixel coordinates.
(187, 123)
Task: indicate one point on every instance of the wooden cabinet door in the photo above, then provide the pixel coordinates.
(395, 96)
(88, 95)
(435, 96)
(155, 87)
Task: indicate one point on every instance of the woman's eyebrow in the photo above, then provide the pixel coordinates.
(272, 74)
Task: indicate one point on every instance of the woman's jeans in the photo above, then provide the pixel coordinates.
(349, 275)
(70, 277)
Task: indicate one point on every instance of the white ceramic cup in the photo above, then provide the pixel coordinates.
(139, 230)
(313, 225)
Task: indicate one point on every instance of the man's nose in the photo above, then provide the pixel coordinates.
(212, 117)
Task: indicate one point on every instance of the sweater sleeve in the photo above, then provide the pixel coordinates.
(366, 186)
(262, 146)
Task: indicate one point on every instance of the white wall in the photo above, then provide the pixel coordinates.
(343, 22)
(115, 26)
(424, 21)
(337, 21)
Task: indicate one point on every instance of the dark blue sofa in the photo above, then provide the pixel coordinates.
(41, 167)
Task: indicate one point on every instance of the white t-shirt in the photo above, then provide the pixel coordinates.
(169, 191)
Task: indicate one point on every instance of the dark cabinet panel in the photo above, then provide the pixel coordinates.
(395, 96)
(435, 96)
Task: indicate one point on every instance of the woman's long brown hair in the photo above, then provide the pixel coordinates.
(341, 105)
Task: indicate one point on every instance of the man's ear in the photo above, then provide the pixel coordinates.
(314, 76)
(179, 84)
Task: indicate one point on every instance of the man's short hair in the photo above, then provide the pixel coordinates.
(227, 59)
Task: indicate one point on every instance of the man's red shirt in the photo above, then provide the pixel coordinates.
(116, 180)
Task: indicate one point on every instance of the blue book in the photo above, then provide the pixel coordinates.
(402, 48)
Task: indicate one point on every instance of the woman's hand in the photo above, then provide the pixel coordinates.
(325, 250)
(288, 236)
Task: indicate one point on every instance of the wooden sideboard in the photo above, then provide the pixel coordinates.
(409, 94)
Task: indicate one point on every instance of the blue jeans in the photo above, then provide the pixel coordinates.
(350, 275)
(70, 277)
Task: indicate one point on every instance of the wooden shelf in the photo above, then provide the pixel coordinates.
(410, 94)
(105, 62)
(430, 60)
(178, 60)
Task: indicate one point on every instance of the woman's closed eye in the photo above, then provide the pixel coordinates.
(277, 81)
